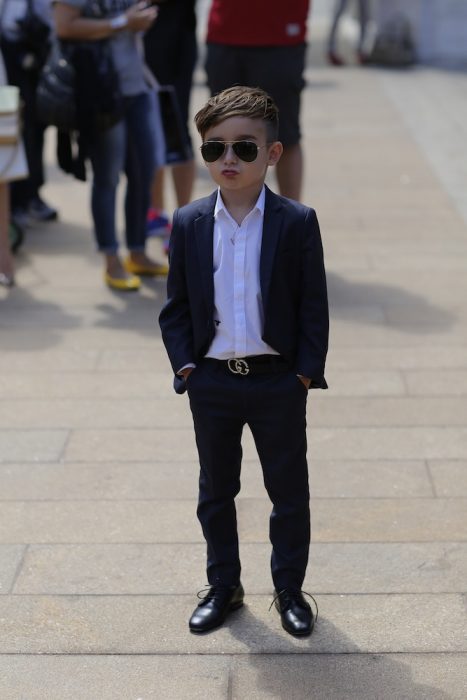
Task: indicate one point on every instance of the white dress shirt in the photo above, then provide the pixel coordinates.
(238, 307)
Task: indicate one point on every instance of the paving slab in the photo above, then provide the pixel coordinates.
(177, 677)
(79, 385)
(173, 677)
(396, 335)
(354, 405)
(337, 443)
(98, 521)
(423, 383)
(76, 337)
(449, 478)
(355, 358)
(102, 481)
(429, 409)
(97, 413)
(32, 445)
(38, 361)
(139, 359)
(411, 98)
(179, 569)
(154, 480)
(350, 288)
(368, 383)
(11, 557)
(138, 521)
(158, 624)
(395, 443)
(351, 677)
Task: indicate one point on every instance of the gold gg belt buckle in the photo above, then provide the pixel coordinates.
(238, 366)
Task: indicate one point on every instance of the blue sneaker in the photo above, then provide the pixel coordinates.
(157, 223)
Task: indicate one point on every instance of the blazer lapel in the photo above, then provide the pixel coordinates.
(204, 230)
(273, 217)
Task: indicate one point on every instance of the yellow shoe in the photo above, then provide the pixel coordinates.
(148, 270)
(123, 284)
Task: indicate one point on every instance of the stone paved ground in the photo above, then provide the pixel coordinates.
(100, 550)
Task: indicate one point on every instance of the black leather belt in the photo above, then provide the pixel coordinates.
(254, 364)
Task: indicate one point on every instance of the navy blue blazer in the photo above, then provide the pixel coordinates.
(292, 280)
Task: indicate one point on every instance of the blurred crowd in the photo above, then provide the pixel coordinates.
(130, 67)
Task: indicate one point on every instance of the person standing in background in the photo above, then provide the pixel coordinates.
(6, 258)
(171, 53)
(260, 44)
(364, 14)
(25, 46)
(129, 145)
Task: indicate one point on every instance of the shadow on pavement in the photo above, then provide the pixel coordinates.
(410, 312)
(306, 673)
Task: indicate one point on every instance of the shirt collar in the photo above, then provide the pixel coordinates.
(259, 206)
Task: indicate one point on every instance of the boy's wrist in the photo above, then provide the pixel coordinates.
(186, 370)
(306, 381)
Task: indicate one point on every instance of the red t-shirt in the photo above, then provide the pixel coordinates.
(258, 22)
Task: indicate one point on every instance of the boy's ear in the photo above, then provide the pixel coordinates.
(275, 152)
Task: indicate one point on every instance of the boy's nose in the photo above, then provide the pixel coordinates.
(229, 154)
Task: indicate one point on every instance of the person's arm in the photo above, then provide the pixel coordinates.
(71, 25)
(314, 313)
(175, 317)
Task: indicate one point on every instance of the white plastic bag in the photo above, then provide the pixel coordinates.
(13, 165)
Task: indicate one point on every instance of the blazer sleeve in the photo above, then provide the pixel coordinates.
(313, 309)
(175, 318)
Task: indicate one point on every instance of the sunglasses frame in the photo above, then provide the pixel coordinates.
(233, 144)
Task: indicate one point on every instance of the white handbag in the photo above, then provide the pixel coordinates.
(13, 165)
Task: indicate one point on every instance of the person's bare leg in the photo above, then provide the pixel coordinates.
(364, 14)
(6, 258)
(289, 172)
(338, 12)
(183, 175)
(157, 189)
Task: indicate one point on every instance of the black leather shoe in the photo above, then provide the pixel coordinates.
(296, 615)
(215, 606)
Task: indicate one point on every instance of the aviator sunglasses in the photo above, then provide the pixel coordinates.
(245, 150)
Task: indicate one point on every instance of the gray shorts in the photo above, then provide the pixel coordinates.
(276, 69)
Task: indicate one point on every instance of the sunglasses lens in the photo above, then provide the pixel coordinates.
(212, 150)
(245, 150)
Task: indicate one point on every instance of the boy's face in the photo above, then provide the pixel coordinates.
(232, 173)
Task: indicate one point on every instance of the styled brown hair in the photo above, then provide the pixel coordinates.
(239, 101)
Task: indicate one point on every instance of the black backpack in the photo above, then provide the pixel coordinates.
(394, 45)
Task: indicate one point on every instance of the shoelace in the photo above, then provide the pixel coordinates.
(284, 590)
(204, 593)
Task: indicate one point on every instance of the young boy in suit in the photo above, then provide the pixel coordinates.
(246, 330)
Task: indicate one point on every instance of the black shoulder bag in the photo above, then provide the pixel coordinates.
(56, 91)
(79, 88)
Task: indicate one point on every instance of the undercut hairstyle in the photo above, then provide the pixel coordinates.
(239, 101)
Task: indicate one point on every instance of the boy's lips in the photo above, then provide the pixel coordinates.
(229, 172)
